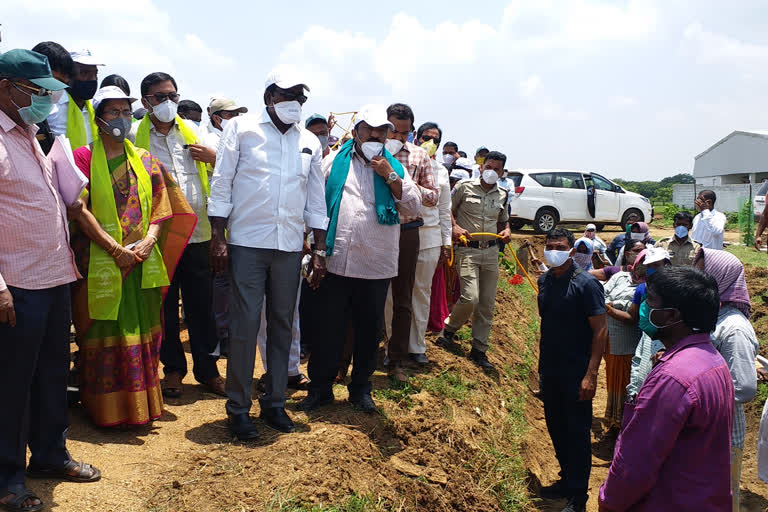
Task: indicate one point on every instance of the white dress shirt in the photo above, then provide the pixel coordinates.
(708, 227)
(437, 227)
(269, 184)
(211, 136)
(169, 149)
(57, 120)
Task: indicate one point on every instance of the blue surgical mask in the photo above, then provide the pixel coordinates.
(644, 321)
(681, 232)
(649, 271)
(37, 111)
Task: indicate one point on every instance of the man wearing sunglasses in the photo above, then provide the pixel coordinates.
(73, 114)
(62, 68)
(36, 268)
(267, 188)
(176, 144)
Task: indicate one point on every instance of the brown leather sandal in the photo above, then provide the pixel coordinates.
(172, 386)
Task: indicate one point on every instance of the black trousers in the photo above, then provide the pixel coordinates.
(33, 376)
(341, 299)
(309, 317)
(569, 422)
(195, 281)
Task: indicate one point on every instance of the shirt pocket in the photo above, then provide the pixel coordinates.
(305, 163)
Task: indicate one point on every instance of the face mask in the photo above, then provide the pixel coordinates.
(649, 271)
(431, 147)
(117, 128)
(37, 111)
(681, 232)
(590, 234)
(166, 111)
(288, 112)
(224, 123)
(83, 89)
(628, 229)
(480, 160)
(197, 123)
(637, 236)
(584, 261)
(323, 141)
(371, 149)
(490, 176)
(57, 95)
(557, 258)
(448, 159)
(394, 146)
(644, 321)
(658, 327)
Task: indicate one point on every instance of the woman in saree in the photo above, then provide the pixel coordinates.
(127, 243)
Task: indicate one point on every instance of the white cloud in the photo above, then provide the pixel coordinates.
(529, 86)
(707, 47)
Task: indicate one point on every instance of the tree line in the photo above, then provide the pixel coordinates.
(657, 191)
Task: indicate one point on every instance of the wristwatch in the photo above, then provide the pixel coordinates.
(319, 253)
(392, 177)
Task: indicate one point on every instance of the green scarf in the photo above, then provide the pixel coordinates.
(142, 141)
(76, 124)
(334, 188)
(105, 280)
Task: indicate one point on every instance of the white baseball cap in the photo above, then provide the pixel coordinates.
(285, 77)
(110, 92)
(374, 115)
(85, 56)
(591, 227)
(459, 174)
(463, 163)
(654, 254)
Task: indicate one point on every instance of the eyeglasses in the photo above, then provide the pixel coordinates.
(290, 96)
(119, 113)
(161, 97)
(36, 91)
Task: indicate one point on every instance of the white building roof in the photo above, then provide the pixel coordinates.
(740, 152)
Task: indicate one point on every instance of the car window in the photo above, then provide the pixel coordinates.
(545, 179)
(569, 180)
(516, 178)
(602, 183)
(763, 189)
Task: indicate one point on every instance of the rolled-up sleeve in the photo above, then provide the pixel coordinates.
(409, 205)
(426, 181)
(227, 156)
(315, 211)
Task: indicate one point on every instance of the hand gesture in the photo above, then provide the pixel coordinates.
(126, 259)
(700, 204)
(7, 311)
(381, 166)
(202, 153)
(506, 236)
(459, 232)
(144, 248)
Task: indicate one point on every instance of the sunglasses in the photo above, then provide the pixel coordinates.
(35, 91)
(427, 138)
(300, 97)
(162, 97)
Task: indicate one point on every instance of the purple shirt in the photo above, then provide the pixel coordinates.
(674, 452)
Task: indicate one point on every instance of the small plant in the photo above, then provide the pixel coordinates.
(746, 220)
(450, 385)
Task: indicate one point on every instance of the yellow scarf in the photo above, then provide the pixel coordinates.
(76, 124)
(142, 141)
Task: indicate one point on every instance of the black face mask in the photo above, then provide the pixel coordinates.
(83, 89)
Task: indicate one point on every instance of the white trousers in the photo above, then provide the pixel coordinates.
(422, 293)
(295, 355)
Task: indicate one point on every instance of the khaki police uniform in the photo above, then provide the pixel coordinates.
(680, 254)
(478, 265)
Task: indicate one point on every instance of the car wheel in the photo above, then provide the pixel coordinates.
(630, 212)
(599, 227)
(516, 224)
(545, 221)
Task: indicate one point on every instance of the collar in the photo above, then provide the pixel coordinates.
(7, 124)
(477, 181)
(686, 241)
(698, 338)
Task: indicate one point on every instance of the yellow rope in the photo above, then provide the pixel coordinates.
(347, 130)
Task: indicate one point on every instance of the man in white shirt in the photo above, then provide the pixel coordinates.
(220, 111)
(268, 184)
(81, 90)
(709, 224)
(162, 133)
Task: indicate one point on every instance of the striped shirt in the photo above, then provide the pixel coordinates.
(363, 248)
(418, 164)
(34, 247)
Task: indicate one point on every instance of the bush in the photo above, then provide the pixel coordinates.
(746, 219)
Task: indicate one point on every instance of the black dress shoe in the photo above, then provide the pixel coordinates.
(364, 402)
(576, 504)
(243, 427)
(315, 400)
(480, 359)
(555, 491)
(277, 418)
(419, 359)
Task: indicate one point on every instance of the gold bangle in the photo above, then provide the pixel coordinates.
(154, 238)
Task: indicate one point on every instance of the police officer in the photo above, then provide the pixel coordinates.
(478, 206)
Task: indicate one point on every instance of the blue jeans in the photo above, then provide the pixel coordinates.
(33, 379)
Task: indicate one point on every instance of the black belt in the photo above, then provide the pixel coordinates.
(412, 225)
(482, 244)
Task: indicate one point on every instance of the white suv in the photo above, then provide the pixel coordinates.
(546, 197)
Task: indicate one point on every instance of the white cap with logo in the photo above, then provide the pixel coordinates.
(85, 57)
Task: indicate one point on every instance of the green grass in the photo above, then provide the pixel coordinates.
(450, 384)
(354, 503)
(464, 334)
(762, 392)
(749, 255)
(400, 394)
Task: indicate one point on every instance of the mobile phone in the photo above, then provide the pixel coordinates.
(134, 244)
(186, 146)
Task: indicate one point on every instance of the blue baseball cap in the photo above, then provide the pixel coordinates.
(30, 66)
(314, 117)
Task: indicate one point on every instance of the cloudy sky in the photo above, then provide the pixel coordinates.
(633, 89)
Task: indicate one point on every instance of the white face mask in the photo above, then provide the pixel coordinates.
(224, 123)
(557, 258)
(371, 149)
(394, 146)
(56, 95)
(288, 112)
(637, 236)
(166, 111)
(490, 176)
(323, 141)
(448, 159)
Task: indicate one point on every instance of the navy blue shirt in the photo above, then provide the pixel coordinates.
(565, 305)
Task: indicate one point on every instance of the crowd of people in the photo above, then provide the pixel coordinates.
(276, 235)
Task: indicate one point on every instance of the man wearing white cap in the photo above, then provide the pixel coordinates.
(267, 186)
(367, 191)
(73, 115)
